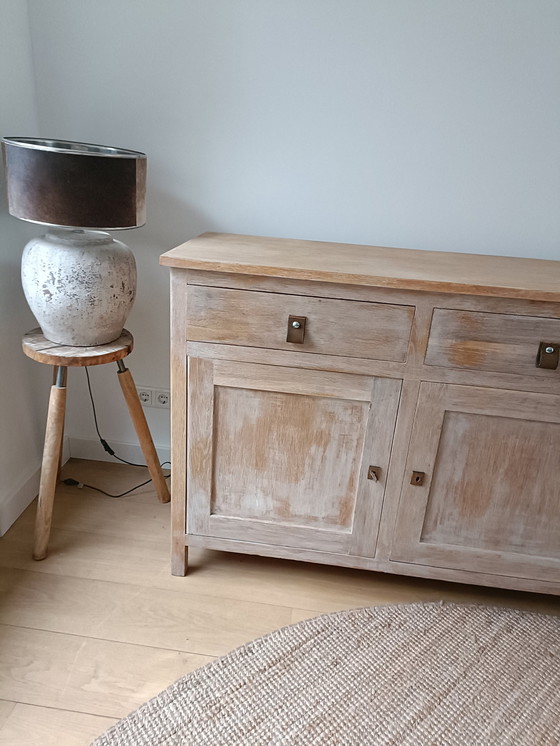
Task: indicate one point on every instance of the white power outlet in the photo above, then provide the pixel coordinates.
(145, 396)
(154, 397)
(160, 398)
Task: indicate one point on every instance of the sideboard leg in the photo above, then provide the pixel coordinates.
(179, 559)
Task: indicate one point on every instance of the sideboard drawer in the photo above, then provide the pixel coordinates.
(377, 331)
(503, 343)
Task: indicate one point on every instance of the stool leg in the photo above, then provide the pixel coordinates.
(50, 465)
(59, 470)
(143, 432)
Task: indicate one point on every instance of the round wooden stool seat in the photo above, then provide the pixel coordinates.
(39, 348)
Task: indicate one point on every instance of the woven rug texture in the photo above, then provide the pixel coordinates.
(435, 674)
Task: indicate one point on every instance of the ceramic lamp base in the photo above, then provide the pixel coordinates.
(80, 285)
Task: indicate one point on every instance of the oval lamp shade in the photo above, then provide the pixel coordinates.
(77, 185)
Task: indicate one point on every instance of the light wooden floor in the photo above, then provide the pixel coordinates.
(100, 626)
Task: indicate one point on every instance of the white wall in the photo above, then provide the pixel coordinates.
(23, 384)
(428, 124)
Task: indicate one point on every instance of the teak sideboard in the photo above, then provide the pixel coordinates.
(378, 408)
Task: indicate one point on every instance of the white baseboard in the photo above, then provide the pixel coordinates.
(12, 505)
(17, 500)
(92, 450)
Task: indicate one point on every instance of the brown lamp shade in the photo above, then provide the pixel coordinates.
(75, 185)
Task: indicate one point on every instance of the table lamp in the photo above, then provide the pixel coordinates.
(79, 282)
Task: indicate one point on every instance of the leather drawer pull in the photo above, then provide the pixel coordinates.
(548, 355)
(296, 329)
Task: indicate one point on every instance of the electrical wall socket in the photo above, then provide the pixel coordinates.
(160, 398)
(145, 396)
(153, 397)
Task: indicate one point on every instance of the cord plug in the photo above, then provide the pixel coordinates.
(72, 482)
(107, 447)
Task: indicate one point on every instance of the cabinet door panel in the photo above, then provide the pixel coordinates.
(490, 500)
(281, 455)
(462, 510)
(268, 443)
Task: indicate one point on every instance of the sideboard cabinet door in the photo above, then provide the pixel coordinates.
(482, 486)
(288, 456)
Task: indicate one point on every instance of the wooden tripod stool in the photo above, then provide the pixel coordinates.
(61, 357)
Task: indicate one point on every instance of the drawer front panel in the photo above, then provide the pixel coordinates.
(378, 331)
(502, 343)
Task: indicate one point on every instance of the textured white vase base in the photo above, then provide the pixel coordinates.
(80, 285)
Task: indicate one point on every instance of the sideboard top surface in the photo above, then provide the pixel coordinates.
(374, 266)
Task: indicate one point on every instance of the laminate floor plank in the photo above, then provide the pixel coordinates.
(86, 675)
(126, 613)
(5, 710)
(45, 726)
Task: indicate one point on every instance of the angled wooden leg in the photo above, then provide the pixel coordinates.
(59, 470)
(51, 461)
(143, 432)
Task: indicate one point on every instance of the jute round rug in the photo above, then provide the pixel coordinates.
(412, 675)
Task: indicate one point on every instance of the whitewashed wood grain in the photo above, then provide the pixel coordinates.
(336, 327)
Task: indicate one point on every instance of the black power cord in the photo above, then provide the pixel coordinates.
(75, 483)
(103, 442)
